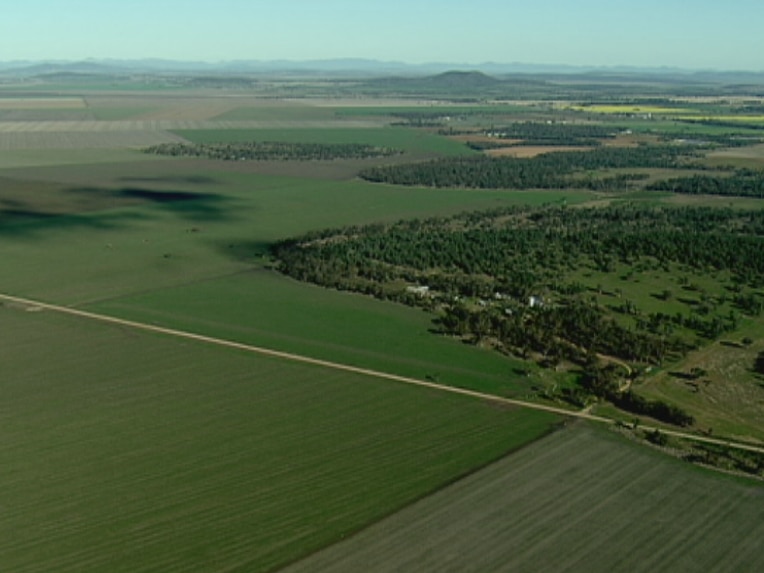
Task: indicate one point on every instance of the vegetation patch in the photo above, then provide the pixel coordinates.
(273, 150)
(519, 280)
(558, 170)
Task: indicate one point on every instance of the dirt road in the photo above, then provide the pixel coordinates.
(38, 306)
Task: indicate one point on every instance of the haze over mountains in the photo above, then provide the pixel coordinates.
(347, 66)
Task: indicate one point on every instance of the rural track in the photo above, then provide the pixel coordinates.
(38, 305)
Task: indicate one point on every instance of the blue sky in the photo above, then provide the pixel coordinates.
(684, 33)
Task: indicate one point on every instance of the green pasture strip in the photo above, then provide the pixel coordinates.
(439, 110)
(26, 158)
(132, 452)
(222, 223)
(277, 112)
(405, 139)
(578, 500)
(266, 309)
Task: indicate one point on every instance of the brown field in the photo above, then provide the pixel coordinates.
(172, 125)
(525, 151)
(748, 157)
(629, 140)
(84, 140)
(752, 152)
(194, 110)
(41, 135)
(35, 103)
(479, 138)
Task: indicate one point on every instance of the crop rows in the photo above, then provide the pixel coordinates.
(578, 500)
(137, 453)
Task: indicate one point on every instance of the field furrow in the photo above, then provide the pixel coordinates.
(578, 500)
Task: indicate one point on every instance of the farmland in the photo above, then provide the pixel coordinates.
(608, 505)
(223, 446)
(130, 450)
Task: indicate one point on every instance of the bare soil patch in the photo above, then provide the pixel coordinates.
(526, 151)
(42, 103)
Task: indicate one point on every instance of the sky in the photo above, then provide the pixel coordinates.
(693, 34)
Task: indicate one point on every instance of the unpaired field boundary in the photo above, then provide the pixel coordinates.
(38, 305)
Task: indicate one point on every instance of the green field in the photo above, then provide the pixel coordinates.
(578, 500)
(266, 309)
(405, 139)
(126, 451)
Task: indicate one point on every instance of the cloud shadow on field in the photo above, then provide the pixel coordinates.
(101, 208)
(28, 223)
(198, 207)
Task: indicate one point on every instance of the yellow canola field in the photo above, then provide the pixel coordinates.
(631, 109)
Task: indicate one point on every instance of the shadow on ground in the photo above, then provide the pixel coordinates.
(94, 207)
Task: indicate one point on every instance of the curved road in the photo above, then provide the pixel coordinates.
(37, 305)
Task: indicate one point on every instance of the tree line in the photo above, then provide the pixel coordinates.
(554, 133)
(547, 171)
(271, 150)
(744, 183)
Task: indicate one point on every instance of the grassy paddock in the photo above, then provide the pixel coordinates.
(405, 139)
(125, 451)
(277, 112)
(579, 500)
(266, 309)
(215, 222)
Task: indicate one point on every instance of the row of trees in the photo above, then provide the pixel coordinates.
(742, 184)
(546, 171)
(265, 150)
(544, 133)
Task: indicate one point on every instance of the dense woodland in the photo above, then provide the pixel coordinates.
(744, 183)
(510, 278)
(554, 133)
(265, 150)
(555, 170)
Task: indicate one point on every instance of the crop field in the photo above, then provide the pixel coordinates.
(95, 139)
(50, 103)
(206, 459)
(578, 500)
(278, 112)
(262, 308)
(128, 450)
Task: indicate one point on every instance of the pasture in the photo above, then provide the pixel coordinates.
(578, 500)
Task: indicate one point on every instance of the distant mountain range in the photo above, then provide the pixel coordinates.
(353, 67)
